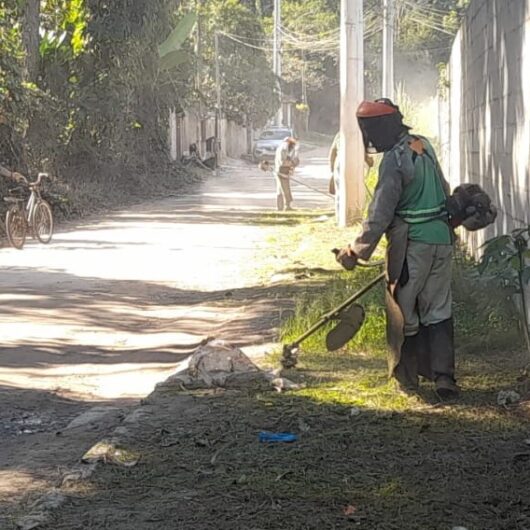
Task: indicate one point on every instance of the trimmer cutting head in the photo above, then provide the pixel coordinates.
(350, 321)
(289, 356)
(350, 317)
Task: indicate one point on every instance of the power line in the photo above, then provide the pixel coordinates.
(431, 26)
(248, 45)
(263, 39)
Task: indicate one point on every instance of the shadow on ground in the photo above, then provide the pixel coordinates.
(421, 466)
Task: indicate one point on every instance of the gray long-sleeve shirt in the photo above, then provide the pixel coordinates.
(395, 173)
(4, 172)
(382, 208)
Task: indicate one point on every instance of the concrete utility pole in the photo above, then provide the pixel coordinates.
(217, 73)
(198, 79)
(277, 54)
(388, 49)
(218, 110)
(351, 149)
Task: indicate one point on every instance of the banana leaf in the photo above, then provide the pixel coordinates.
(177, 37)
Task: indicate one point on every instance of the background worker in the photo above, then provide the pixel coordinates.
(285, 161)
(334, 184)
(4, 172)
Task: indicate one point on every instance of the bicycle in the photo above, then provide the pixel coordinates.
(36, 214)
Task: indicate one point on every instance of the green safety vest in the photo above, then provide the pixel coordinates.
(422, 202)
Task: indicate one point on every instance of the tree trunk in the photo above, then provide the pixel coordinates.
(30, 37)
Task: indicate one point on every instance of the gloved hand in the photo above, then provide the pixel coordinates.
(264, 165)
(17, 177)
(346, 257)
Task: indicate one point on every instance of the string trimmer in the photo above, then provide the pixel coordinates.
(350, 317)
(267, 167)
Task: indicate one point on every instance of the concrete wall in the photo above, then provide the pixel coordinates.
(485, 124)
(234, 139)
(185, 129)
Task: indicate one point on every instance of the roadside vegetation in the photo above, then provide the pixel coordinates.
(366, 456)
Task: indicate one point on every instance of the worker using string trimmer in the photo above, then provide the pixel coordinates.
(285, 161)
(412, 206)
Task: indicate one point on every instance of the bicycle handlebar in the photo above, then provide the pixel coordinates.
(40, 176)
(35, 184)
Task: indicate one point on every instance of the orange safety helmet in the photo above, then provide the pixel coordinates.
(381, 124)
(379, 107)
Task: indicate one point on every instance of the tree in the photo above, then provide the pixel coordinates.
(30, 36)
(247, 82)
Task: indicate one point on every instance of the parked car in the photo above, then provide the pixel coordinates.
(268, 141)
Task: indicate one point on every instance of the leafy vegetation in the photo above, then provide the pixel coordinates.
(86, 86)
(505, 262)
(94, 110)
(485, 316)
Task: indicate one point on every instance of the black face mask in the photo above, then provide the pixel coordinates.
(381, 133)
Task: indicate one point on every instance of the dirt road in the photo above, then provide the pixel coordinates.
(112, 306)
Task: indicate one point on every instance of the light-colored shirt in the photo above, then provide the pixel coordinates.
(285, 159)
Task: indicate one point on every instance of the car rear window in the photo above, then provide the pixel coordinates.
(279, 134)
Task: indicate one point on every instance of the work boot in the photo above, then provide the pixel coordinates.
(423, 353)
(446, 388)
(442, 349)
(406, 372)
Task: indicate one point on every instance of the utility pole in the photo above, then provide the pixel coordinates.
(198, 78)
(305, 111)
(218, 111)
(277, 55)
(388, 49)
(351, 149)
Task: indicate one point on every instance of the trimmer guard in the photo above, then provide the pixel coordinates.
(350, 321)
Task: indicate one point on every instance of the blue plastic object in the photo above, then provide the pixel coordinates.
(274, 437)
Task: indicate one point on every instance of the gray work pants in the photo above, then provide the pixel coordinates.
(283, 193)
(426, 297)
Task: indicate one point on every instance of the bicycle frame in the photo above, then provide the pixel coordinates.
(32, 202)
(25, 210)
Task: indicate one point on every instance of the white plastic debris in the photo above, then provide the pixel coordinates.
(105, 451)
(303, 426)
(355, 411)
(29, 522)
(219, 364)
(282, 384)
(508, 397)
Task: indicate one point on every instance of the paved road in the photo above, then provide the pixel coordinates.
(112, 306)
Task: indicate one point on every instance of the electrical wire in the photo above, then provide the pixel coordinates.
(437, 21)
(426, 7)
(248, 45)
(431, 26)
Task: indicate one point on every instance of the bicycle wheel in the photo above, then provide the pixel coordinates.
(42, 221)
(16, 227)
